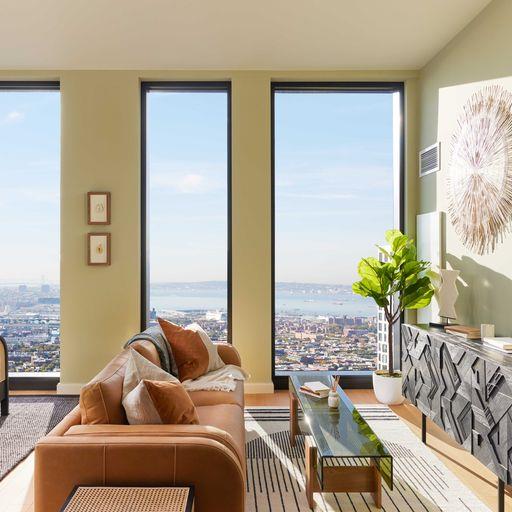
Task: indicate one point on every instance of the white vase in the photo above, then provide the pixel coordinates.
(388, 390)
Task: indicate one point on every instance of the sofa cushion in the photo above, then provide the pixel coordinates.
(101, 398)
(227, 417)
(235, 397)
(154, 402)
(139, 368)
(172, 403)
(193, 351)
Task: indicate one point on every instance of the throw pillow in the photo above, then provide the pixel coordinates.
(154, 402)
(139, 368)
(193, 350)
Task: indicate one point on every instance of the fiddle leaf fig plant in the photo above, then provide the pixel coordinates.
(402, 282)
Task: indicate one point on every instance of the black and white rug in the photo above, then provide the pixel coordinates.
(30, 418)
(275, 470)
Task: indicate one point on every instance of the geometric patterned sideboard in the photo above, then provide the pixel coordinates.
(465, 388)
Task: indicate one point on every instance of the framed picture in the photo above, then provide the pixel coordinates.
(98, 208)
(98, 248)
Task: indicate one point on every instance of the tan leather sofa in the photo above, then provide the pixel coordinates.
(210, 456)
(4, 379)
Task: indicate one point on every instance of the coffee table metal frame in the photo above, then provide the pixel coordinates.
(341, 435)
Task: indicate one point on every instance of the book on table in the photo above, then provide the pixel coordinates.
(316, 389)
(464, 331)
(503, 344)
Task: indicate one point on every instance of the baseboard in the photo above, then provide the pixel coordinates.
(69, 389)
(256, 388)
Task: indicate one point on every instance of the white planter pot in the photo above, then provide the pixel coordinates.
(388, 390)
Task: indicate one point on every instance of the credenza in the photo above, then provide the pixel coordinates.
(466, 389)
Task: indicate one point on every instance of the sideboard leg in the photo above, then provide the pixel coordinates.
(423, 428)
(501, 495)
(4, 407)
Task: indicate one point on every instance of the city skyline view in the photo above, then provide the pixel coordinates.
(333, 164)
(334, 168)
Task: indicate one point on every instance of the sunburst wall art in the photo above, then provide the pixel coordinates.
(479, 176)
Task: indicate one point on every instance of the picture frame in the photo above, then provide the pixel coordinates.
(98, 208)
(98, 249)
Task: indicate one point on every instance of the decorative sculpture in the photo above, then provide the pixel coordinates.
(479, 177)
(447, 294)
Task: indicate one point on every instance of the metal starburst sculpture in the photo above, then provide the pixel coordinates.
(479, 178)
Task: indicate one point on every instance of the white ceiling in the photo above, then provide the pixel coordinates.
(228, 34)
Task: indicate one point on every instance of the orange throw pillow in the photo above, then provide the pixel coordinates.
(172, 402)
(188, 349)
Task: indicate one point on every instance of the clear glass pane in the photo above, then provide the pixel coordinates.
(188, 204)
(30, 227)
(334, 200)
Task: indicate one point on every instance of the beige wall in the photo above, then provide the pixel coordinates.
(479, 55)
(100, 150)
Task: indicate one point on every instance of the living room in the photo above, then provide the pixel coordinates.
(226, 208)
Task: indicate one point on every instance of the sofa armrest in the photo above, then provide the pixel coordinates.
(72, 418)
(229, 354)
(63, 462)
(157, 431)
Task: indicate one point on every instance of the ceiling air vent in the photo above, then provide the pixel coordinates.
(430, 159)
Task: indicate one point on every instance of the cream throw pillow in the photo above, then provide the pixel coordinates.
(140, 409)
(214, 360)
(137, 402)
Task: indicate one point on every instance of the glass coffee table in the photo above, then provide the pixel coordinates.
(343, 454)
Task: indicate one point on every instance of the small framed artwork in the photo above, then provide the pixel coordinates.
(98, 208)
(98, 248)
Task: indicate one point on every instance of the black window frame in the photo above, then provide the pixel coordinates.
(354, 379)
(32, 382)
(180, 86)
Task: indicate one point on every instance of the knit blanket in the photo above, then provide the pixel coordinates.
(156, 336)
(223, 379)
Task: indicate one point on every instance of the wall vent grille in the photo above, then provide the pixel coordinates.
(430, 159)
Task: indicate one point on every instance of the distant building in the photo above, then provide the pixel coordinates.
(48, 300)
(382, 331)
(45, 288)
(214, 315)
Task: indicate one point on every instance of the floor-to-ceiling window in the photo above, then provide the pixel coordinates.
(186, 219)
(29, 225)
(336, 158)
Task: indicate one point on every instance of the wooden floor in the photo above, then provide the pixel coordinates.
(16, 490)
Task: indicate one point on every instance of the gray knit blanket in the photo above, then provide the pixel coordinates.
(156, 336)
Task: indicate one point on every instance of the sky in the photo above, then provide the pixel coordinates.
(30, 186)
(334, 183)
(187, 169)
(334, 188)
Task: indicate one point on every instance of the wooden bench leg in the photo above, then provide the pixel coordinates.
(377, 493)
(312, 484)
(294, 418)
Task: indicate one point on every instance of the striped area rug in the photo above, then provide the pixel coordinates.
(275, 470)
